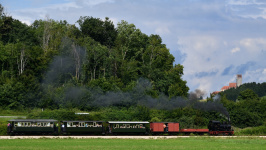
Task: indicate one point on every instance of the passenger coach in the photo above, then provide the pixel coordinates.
(82, 127)
(32, 126)
(128, 127)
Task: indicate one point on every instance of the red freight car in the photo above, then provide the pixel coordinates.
(164, 127)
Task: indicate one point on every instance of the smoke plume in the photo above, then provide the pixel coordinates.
(64, 67)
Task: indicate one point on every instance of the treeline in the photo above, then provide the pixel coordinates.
(54, 64)
(246, 104)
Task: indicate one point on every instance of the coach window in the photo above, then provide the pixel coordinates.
(34, 124)
(69, 124)
(90, 124)
(100, 124)
(27, 124)
(116, 126)
(82, 124)
(76, 124)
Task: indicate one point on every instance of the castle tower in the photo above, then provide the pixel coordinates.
(238, 80)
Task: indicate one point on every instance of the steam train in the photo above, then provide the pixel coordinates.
(54, 127)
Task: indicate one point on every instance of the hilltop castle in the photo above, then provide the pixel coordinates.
(231, 85)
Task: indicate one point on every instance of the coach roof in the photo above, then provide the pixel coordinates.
(33, 120)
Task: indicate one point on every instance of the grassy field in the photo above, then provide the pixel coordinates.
(179, 143)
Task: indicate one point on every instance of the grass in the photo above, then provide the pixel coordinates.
(179, 143)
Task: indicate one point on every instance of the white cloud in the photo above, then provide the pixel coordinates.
(253, 44)
(200, 50)
(259, 74)
(236, 49)
(248, 8)
(205, 85)
(203, 56)
(162, 30)
(244, 2)
(264, 72)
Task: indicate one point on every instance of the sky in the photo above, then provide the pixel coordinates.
(213, 39)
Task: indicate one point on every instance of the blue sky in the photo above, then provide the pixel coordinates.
(213, 39)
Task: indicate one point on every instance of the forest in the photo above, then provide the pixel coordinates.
(115, 72)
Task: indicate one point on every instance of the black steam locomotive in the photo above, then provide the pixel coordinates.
(218, 128)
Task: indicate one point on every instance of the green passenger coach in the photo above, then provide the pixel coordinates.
(82, 127)
(32, 126)
(127, 127)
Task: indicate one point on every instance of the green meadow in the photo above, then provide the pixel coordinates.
(178, 143)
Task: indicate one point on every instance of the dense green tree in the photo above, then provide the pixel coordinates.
(49, 34)
(13, 31)
(101, 31)
(248, 94)
(177, 86)
(242, 118)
